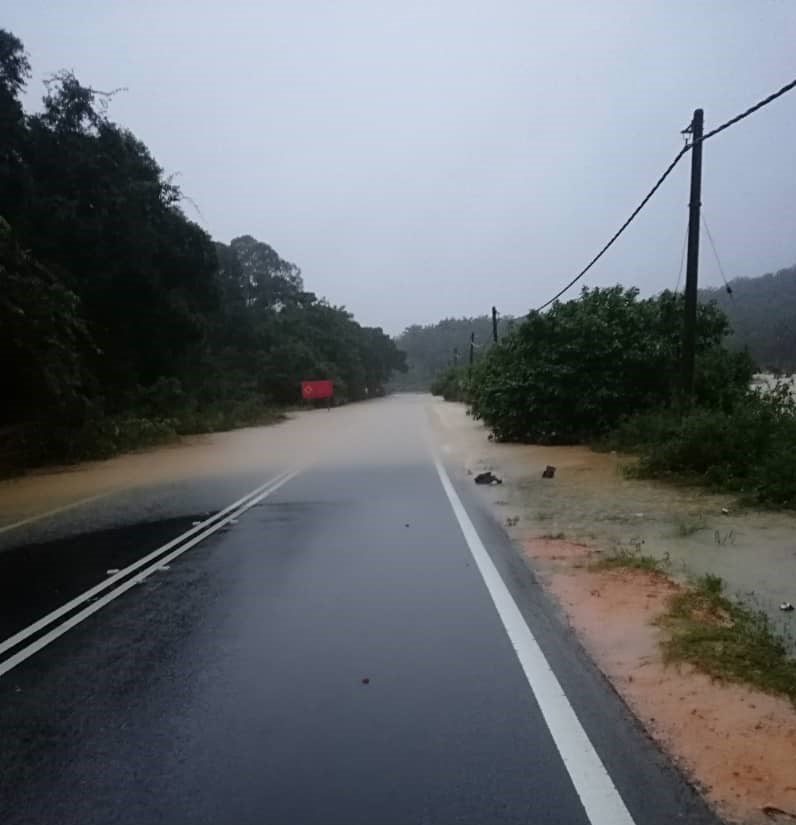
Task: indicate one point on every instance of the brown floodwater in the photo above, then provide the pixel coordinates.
(590, 500)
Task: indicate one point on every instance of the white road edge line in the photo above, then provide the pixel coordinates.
(56, 614)
(597, 792)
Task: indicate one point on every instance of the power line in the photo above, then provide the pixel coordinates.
(715, 254)
(682, 259)
(750, 111)
(731, 122)
(621, 229)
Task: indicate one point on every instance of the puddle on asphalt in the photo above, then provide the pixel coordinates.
(37, 578)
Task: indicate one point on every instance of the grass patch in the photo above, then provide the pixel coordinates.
(553, 536)
(686, 527)
(726, 640)
(631, 558)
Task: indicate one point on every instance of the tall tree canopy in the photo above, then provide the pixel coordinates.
(108, 290)
(434, 347)
(762, 312)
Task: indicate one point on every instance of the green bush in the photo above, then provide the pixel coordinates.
(750, 448)
(227, 414)
(452, 384)
(573, 373)
(98, 437)
(634, 432)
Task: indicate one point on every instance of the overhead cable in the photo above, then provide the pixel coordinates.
(731, 122)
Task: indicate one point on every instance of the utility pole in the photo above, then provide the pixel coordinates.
(455, 356)
(494, 325)
(692, 261)
(472, 354)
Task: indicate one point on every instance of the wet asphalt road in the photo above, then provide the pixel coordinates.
(332, 655)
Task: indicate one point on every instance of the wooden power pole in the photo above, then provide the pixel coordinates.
(494, 325)
(692, 261)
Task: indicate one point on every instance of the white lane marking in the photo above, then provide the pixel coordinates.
(59, 630)
(597, 792)
(54, 512)
(115, 575)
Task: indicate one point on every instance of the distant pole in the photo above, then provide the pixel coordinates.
(494, 325)
(455, 356)
(472, 353)
(692, 261)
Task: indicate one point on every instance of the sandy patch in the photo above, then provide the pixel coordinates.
(739, 744)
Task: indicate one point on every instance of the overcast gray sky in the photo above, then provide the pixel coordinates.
(427, 159)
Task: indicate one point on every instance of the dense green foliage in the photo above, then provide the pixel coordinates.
(762, 313)
(453, 384)
(606, 366)
(573, 373)
(433, 348)
(116, 309)
(748, 447)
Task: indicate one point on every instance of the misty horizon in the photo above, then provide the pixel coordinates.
(431, 161)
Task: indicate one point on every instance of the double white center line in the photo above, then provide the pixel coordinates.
(129, 577)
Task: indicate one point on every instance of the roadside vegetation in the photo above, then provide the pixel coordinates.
(630, 558)
(762, 313)
(452, 384)
(434, 348)
(604, 369)
(718, 635)
(104, 436)
(122, 323)
(748, 448)
(727, 640)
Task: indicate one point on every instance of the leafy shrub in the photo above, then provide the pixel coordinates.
(634, 432)
(101, 436)
(573, 373)
(98, 437)
(750, 449)
(227, 414)
(160, 399)
(452, 384)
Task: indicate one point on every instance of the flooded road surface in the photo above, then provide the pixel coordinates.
(310, 623)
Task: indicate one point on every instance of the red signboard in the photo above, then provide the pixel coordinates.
(316, 389)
